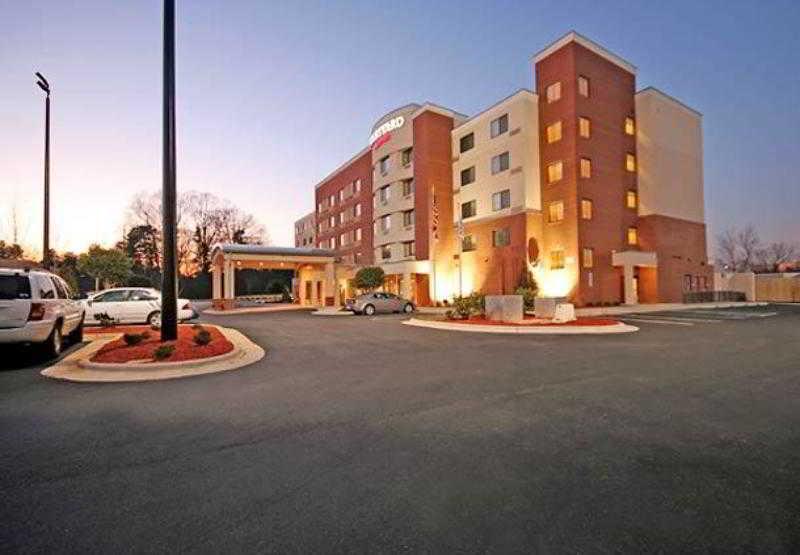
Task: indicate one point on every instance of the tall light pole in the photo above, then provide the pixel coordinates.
(45, 86)
(169, 281)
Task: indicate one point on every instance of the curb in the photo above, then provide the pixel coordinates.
(332, 313)
(524, 330)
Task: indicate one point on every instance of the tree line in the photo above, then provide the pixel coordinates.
(741, 250)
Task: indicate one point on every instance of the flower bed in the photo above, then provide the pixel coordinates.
(118, 351)
(533, 321)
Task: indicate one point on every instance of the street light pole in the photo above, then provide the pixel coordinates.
(169, 281)
(45, 86)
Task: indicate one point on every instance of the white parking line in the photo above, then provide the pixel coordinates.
(649, 321)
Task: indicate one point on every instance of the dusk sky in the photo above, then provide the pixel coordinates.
(272, 96)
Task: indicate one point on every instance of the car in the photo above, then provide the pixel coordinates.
(132, 305)
(371, 303)
(38, 307)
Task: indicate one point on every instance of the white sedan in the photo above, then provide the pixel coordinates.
(132, 305)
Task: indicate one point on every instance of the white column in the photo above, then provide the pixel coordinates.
(630, 293)
(230, 280)
(216, 282)
(329, 285)
(405, 286)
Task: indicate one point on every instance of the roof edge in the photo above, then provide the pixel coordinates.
(574, 36)
(670, 98)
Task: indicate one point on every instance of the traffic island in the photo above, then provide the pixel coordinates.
(528, 325)
(129, 357)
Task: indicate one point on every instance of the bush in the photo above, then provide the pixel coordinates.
(369, 278)
(163, 352)
(528, 288)
(132, 339)
(202, 337)
(469, 305)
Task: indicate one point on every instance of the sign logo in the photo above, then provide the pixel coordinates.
(376, 139)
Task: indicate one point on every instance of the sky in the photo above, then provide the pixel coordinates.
(272, 96)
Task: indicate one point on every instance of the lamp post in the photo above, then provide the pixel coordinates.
(169, 281)
(45, 86)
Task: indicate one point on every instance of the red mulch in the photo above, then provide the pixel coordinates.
(185, 348)
(119, 329)
(482, 321)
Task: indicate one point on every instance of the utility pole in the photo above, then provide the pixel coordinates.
(45, 86)
(169, 281)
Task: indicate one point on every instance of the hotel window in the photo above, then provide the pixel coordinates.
(501, 237)
(500, 163)
(333, 242)
(406, 156)
(554, 132)
(501, 200)
(383, 194)
(555, 212)
(583, 85)
(358, 185)
(630, 199)
(630, 162)
(341, 195)
(343, 239)
(585, 127)
(498, 126)
(633, 236)
(468, 176)
(357, 234)
(386, 252)
(332, 221)
(408, 218)
(408, 248)
(383, 165)
(555, 171)
(386, 223)
(357, 210)
(468, 243)
(587, 256)
(332, 200)
(557, 260)
(630, 126)
(586, 209)
(467, 142)
(468, 209)
(319, 227)
(408, 187)
(319, 207)
(586, 168)
(341, 217)
(553, 92)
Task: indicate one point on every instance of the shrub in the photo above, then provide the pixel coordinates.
(132, 339)
(163, 352)
(105, 320)
(202, 337)
(466, 306)
(528, 288)
(369, 278)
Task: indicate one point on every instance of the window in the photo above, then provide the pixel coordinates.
(586, 168)
(500, 163)
(341, 195)
(332, 200)
(383, 194)
(633, 236)
(468, 243)
(468, 176)
(630, 162)
(584, 127)
(553, 92)
(341, 216)
(586, 209)
(555, 171)
(630, 199)
(587, 257)
(408, 187)
(468, 209)
(556, 260)
(408, 218)
(501, 237)
(555, 211)
(343, 239)
(554, 132)
(383, 165)
(357, 234)
(357, 210)
(61, 288)
(630, 126)
(408, 248)
(467, 142)
(406, 156)
(358, 185)
(498, 126)
(14, 287)
(501, 200)
(386, 223)
(333, 242)
(332, 221)
(110, 297)
(386, 252)
(319, 207)
(583, 85)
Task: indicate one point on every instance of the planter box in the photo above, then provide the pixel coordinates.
(545, 307)
(504, 308)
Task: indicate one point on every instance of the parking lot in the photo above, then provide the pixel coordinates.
(362, 434)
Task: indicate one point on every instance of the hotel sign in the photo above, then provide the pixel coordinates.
(382, 134)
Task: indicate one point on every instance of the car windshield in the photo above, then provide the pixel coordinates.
(14, 287)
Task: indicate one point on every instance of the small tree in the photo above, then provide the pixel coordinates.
(369, 278)
(110, 266)
(528, 288)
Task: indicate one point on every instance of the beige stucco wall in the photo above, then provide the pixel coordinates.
(669, 145)
(522, 143)
(741, 281)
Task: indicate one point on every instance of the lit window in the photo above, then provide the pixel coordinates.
(630, 126)
(406, 157)
(553, 92)
(408, 187)
(633, 236)
(585, 127)
(408, 248)
(555, 211)
(501, 237)
(588, 257)
(357, 234)
(556, 260)
(630, 162)
(467, 142)
(332, 200)
(332, 221)
(341, 217)
(468, 243)
(343, 239)
(468, 209)
(554, 132)
(358, 185)
(555, 172)
(341, 195)
(500, 163)
(586, 209)
(498, 126)
(583, 86)
(386, 252)
(630, 199)
(586, 168)
(408, 218)
(501, 200)
(333, 242)
(319, 207)
(467, 176)
(357, 210)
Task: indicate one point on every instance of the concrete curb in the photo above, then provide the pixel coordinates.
(332, 313)
(244, 353)
(524, 330)
(253, 310)
(661, 307)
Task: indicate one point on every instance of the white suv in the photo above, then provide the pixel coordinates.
(38, 307)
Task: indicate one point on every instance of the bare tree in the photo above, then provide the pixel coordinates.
(727, 251)
(749, 245)
(778, 253)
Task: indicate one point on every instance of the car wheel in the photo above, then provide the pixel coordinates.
(76, 335)
(369, 310)
(52, 346)
(409, 308)
(154, 319)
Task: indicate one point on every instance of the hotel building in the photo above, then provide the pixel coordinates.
(593, 188)
(305, 231)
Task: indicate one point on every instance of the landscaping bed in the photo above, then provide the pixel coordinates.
(184, 348)
(533, 321)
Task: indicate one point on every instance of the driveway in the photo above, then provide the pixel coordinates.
(360, 434)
